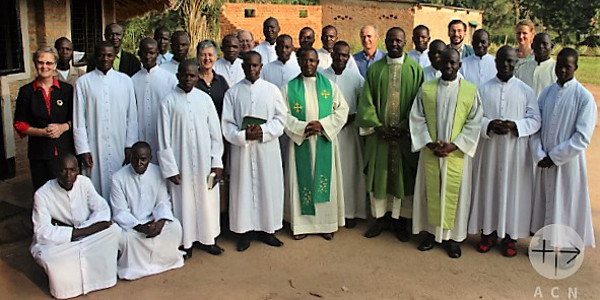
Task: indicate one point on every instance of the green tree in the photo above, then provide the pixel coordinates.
(138, 28)
(570, 19)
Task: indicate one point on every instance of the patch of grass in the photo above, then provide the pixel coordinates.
(589, 70)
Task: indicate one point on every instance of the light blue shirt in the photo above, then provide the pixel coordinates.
(363, 62)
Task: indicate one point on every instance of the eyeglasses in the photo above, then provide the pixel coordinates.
(47, 63)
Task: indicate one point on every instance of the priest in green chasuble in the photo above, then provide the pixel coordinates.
(317, 111)
(390, 87)
(445, 123)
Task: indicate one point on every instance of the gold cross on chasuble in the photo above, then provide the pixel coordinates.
(297, 107)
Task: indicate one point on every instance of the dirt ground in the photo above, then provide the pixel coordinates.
(348, 267)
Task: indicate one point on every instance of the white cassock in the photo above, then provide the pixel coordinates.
(256, 190)
(478, 70)
(136, 200)
(104, 122)
(151, 88)
(502, 167)
(266, 51)
(190, 144)
(325, 61)
(232, 72)
(466, 141)
(279, 73)
(420, 57)
(74, 267)
(569, 115)
(429, 73)
(171, 65)
(328, 215)
(537, 75)
(350, 83)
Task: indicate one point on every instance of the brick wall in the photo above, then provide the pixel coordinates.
(437, 19)
(232, 19)
(350, 15)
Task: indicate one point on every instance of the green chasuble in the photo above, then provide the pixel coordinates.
(391, 168)
(454, 162)
(314, 187)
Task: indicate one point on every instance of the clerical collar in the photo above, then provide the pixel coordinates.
(181, 90)
(504, 82)
(136, 173)
(539, 63)
(481, 58)
(398, 60)
(448, 82)
(568, 83)
(151, 69)
(107, 72)
(250, 82)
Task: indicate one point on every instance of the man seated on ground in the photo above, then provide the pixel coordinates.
(141, 206)
(73, 237)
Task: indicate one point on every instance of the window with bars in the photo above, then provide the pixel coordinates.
(11, 44)
(86, 25)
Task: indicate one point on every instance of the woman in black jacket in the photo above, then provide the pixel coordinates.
(44, 112)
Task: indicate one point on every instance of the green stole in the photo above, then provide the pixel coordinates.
(454, 161)
(312, 189)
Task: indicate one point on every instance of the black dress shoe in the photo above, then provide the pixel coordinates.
(270, 239)
(188, 252)
(327, 236)
(427, 243)
(350, 223)
(243, 242)
(401, 230)
(375, 230)
(212, 249)
(453, 249)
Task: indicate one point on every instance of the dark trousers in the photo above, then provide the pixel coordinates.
(42, 171)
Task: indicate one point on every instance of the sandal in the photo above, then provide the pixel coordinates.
(486, 244)
(509, 248)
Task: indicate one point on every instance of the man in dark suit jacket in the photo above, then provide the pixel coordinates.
(125, 62)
